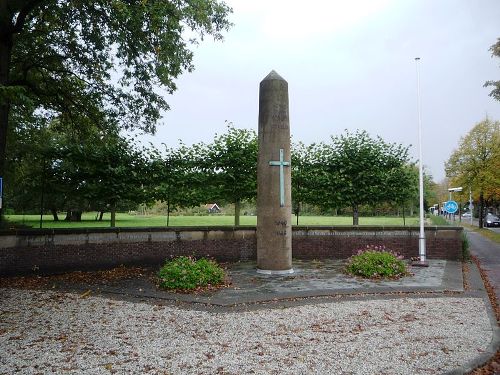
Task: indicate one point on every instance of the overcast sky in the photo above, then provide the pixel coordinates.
(349, 65)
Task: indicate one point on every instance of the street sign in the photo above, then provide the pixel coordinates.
(451, 207)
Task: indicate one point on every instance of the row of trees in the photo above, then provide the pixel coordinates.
(63, 170)
(93, 65)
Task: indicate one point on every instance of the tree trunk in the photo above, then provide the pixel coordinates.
(404, 218)
(113, 216)
(101, 214)
(237, 208)
(168, 212)
(73, 215)
(5, 61)
(355, 215)
(481, 210)
(53, 211)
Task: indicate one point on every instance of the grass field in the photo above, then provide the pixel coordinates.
(126, 220)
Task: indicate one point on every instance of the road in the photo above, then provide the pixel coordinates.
(488, 253)
(475, 222)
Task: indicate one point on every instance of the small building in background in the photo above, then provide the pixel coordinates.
(213, 208)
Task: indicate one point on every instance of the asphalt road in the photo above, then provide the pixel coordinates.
(488, 253)
(475, 222)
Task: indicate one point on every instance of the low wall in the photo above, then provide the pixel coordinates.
(57, 250)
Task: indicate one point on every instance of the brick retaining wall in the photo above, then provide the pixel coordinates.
(57, 250)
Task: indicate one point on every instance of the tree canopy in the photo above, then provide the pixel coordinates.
(105, 61)
(495, 52)
(230, 165)
(356, 169)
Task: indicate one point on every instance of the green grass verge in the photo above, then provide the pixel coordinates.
(495, 237)
(126, 220)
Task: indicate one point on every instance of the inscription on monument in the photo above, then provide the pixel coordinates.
(281, 227)
(280, 116)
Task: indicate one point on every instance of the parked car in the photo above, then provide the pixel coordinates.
(466, 215)
(491, 221)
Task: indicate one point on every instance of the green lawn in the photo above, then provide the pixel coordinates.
(126, 220)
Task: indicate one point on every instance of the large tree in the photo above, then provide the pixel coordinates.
(356, 169)
(58, 169)
(495, 93)
(102, 60)
(177, 178)
(231, 167)
(304, 183)
(475, 163)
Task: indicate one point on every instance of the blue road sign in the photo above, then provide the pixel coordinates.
(451, 207)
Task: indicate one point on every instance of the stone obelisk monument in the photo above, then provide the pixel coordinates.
(274, 196)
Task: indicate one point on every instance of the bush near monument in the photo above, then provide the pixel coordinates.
(376, 262)
(187, 274)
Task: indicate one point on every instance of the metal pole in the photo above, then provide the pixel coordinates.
(471, 208)
(42, 195)
(421, 238)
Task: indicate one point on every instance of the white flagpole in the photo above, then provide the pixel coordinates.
(421, 238)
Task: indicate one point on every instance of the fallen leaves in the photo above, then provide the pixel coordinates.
(76, 277)
(493, 365)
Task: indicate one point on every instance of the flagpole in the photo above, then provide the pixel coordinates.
(421, 238)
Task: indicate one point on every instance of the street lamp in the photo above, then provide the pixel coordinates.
(421, 238)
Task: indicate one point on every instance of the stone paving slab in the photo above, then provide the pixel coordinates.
(310, 279)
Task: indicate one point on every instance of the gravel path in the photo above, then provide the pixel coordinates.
(51, 332)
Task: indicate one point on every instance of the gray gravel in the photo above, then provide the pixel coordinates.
(52, 332)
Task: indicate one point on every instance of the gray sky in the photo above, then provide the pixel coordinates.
(349, 65)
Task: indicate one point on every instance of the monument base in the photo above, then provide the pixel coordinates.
(275, 272)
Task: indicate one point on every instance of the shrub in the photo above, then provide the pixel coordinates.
(185, 274)
(376, 262)
(438, 220)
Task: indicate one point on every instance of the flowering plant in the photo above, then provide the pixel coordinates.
(376, 262)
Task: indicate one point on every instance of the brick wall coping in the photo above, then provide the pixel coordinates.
(227, 228)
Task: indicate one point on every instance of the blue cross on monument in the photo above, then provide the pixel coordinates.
(281, 163)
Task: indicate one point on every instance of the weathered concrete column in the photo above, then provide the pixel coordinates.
(274, 196)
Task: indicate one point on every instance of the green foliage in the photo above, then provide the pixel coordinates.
(438, 220)
(376, 262)
(104, 61)
(476, 163)
(465, 247)
(304, 188)
(176, 178)
(80, 171)
(229, 165)
(495, 52)
(355, 169)
(185, 274)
